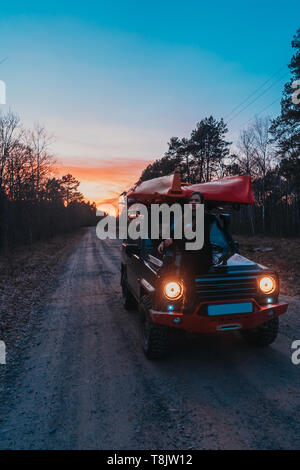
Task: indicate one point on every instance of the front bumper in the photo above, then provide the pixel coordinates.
(205, 324)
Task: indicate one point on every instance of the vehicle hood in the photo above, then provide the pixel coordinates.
(239, 263)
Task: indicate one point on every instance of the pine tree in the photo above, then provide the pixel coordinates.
(286, 127)
(286, 133)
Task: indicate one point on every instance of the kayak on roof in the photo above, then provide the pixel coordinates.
(168, 189)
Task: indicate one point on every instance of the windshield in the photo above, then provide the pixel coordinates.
(218, 241)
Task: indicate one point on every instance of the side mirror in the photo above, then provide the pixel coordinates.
(131, 249)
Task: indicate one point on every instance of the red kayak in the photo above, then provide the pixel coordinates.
(168, 189)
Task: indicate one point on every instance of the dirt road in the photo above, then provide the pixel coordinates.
(83, 382)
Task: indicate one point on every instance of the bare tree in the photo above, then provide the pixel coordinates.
(262, 154)
(246, 156)
(10, 135)
(16, 175)
(33, 205)
(41, 161)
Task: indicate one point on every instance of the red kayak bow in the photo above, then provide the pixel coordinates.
(168, 189)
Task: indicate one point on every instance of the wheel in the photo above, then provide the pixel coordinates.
(129, 301)
(154, 337)
(263, 335)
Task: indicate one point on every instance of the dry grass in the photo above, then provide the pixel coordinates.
(26, 276)
(284, 258)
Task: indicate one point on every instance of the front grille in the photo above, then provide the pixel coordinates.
(226, 287)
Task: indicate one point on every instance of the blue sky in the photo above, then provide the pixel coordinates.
(114, 81)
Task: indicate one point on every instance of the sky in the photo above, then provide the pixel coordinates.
(113, 81)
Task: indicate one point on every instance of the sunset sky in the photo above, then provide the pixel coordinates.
(113, 81)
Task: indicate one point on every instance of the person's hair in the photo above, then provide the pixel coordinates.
(198, 194)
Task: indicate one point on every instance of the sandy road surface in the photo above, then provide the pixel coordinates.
(83, 381)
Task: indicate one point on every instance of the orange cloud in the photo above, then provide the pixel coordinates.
(104, 182)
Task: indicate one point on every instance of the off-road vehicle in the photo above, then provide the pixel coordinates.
(235, 294)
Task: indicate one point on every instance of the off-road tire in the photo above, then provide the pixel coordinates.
(154, 337)
(263, 335)
(129, 301)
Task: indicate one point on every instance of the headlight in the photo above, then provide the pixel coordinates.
(267, 284)
(173, 290)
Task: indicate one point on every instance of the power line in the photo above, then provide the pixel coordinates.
(257, 114)
(255, 91)
(256, 98)
(266, 107)
(3, 60)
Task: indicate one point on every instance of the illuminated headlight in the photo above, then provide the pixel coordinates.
(173, 290)
(267, 284)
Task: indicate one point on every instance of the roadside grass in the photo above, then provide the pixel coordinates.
(26, 276)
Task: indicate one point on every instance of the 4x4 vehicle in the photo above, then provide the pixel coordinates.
(235, 294)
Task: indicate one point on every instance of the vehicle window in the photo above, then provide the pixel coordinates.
(218, 238)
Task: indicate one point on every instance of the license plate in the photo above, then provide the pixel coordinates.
(229, 309)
